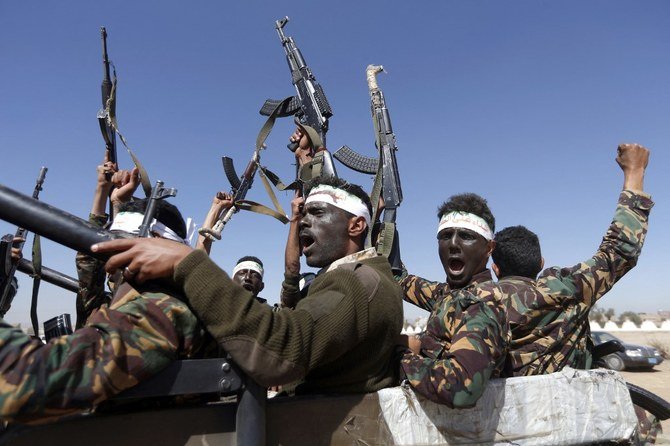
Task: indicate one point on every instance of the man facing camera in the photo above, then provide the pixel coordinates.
(339, 338)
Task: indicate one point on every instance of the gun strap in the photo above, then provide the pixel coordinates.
(110, 112)
(248, 205)
(307, 172)
(313, 136)
(279, 214)
(37, 268)
(253, 206)
(270, 122)
(385, 239)
(374, 199)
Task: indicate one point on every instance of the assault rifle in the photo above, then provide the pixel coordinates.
(309, 106)
(107, 130)
(158, 192)
(107, 119)
(387, 180)
(7, 244)
(240, 186)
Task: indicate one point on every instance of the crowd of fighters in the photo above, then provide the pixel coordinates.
(342, 332)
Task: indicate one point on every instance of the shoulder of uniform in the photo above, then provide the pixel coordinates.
(367, 275)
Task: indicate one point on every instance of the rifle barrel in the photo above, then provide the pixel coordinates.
(105, 59)
(50, 276)
(48, 221)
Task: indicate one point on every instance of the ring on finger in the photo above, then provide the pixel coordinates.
(128, 273)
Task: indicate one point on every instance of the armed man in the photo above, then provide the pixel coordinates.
(465, 342)
(340, 338)
(133, 338)
(549, 313)
(118, 186)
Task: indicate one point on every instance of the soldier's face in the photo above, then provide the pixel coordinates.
(324, 234)
(250, 280)
(463, 254)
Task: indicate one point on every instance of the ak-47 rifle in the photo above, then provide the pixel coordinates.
(8, 243)
(108, 133)
(240, 186)
(158, 192)
(107, 119)
(309, 106)
(387, 180)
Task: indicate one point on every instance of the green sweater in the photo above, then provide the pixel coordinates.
(340, 338)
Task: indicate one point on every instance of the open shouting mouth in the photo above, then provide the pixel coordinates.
(306, 241)
(456, 266)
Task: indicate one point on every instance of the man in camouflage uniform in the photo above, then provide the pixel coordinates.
(465, 340)
(118, 186)
(549, 316)
(141, 332)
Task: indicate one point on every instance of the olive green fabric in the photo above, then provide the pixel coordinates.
(340, 338)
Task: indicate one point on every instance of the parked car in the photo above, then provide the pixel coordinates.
(635, 356)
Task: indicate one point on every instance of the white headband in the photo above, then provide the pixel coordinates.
(467, 221)
(131, 221)
(341, 199)
(248, 264)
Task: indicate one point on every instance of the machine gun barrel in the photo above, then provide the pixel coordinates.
(48, 221)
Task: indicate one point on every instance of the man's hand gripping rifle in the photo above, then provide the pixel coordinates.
(310, 106)
(240, 186)
(387, 180)
(107, 119)
(107, 130)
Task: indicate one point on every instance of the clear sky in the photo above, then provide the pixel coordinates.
(522, 102)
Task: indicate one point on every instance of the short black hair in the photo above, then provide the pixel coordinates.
(340, 183)
(470, 203)
(250, 259)
(166, 213)
(517, 252)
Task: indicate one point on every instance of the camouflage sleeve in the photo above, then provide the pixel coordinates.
(421, 292)
(617, 254)
(91, 274)
(478, 334)
(121, 346)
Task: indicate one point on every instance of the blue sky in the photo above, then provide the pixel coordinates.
(522, 102)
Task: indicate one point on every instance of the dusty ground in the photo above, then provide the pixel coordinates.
(658, 379)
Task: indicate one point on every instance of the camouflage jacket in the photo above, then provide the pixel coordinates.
(426, 294)
(91, 274)
(549, 317)
(464, 345)
(121, 345)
